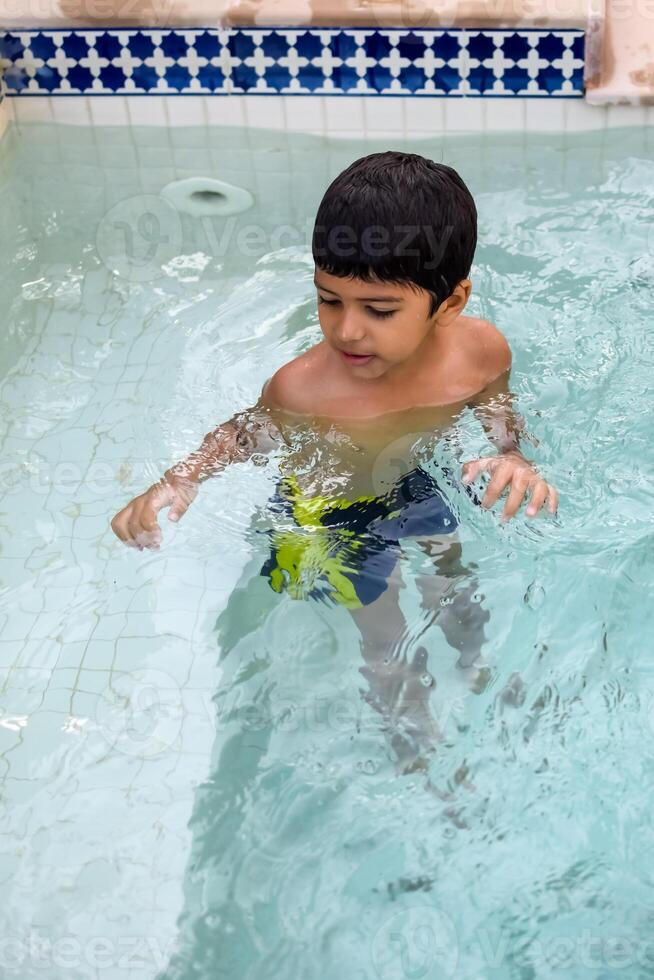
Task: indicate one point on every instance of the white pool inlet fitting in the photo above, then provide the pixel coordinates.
(206, 196)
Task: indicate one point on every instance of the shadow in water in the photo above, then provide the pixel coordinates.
(294, 739)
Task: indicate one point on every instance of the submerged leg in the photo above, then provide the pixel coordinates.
(450, 596)
(399, 688)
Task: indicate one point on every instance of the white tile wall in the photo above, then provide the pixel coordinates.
(383, 115)
(225, 111)
(505, 114)
(147, 110)
(265, 111)
(185, 110)
(110, 110)
(345, 114)
(464, 115)
(37, 109)
(307, 114)
(625, 115)
(6, 114)
(337, 116)
(579, 115)
(72, 109)
(548, 116)
(425, 115)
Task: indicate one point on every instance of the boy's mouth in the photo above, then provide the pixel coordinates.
(356, 358)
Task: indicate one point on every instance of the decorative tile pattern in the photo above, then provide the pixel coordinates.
(330, 61)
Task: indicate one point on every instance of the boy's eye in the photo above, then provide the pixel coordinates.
(373, 311)
(380, 314)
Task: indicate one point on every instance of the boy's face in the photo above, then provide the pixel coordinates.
(385, 320)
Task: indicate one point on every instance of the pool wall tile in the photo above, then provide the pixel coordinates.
(77, 112)
(147, 110)
(506, 115)
(464, 116)
(579, 116)
(148, 115)
(264, 112)
(628, 115)
(382, 115)
(109, 111)
(230, 112)
(369, 79)
(343, 61)
(550, 117)
(346, 115)
(6, 114)
(186, 112)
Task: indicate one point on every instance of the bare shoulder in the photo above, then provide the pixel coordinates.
(291, 387)
(489, 348)
(489, 357)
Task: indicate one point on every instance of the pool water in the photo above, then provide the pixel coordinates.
(194, 784)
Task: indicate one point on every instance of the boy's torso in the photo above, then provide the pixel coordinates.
(356, 436)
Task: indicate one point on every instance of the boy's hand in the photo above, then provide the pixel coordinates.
(137, 524)
(514, 471)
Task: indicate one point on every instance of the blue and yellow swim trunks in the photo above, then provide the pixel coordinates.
(343, 551)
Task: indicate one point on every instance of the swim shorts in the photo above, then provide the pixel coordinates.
(344, 551)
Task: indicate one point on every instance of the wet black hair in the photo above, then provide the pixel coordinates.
(397, 217)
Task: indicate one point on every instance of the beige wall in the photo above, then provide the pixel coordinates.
(620, 68)
(396, 13)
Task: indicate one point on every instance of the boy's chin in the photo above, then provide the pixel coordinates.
(376, 368)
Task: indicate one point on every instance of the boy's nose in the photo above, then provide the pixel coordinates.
(349, 329)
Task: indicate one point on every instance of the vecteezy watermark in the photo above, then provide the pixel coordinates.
(153, 13)
(622, 10)
(418, 943)
(419, 242)
(398, 457)
(70, 478)
(422, 943)
(142, 238)
(422, 15)
(20, 955)
(138, 236)
(565, 953)
(140, 713)
(66, 477)
(290, 709)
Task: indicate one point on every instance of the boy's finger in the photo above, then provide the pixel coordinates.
(121, 525)
(135, 525)
(538, 497)
(513, 501)
(552, 500)
(499, 482)
(117, 526)
(177, 509)
(181, 503)
(148, 518)
(149, 539)
(472, 469)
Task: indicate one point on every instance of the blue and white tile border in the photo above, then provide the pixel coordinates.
(520, 63)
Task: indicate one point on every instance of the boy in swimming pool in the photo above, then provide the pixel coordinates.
(393, 244)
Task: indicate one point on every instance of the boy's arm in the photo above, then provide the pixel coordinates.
(247, 433)
(503, 425)
(510, 470)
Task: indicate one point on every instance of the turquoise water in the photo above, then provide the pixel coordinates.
(194, 784)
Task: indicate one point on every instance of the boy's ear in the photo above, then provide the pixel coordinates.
(455, 302)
